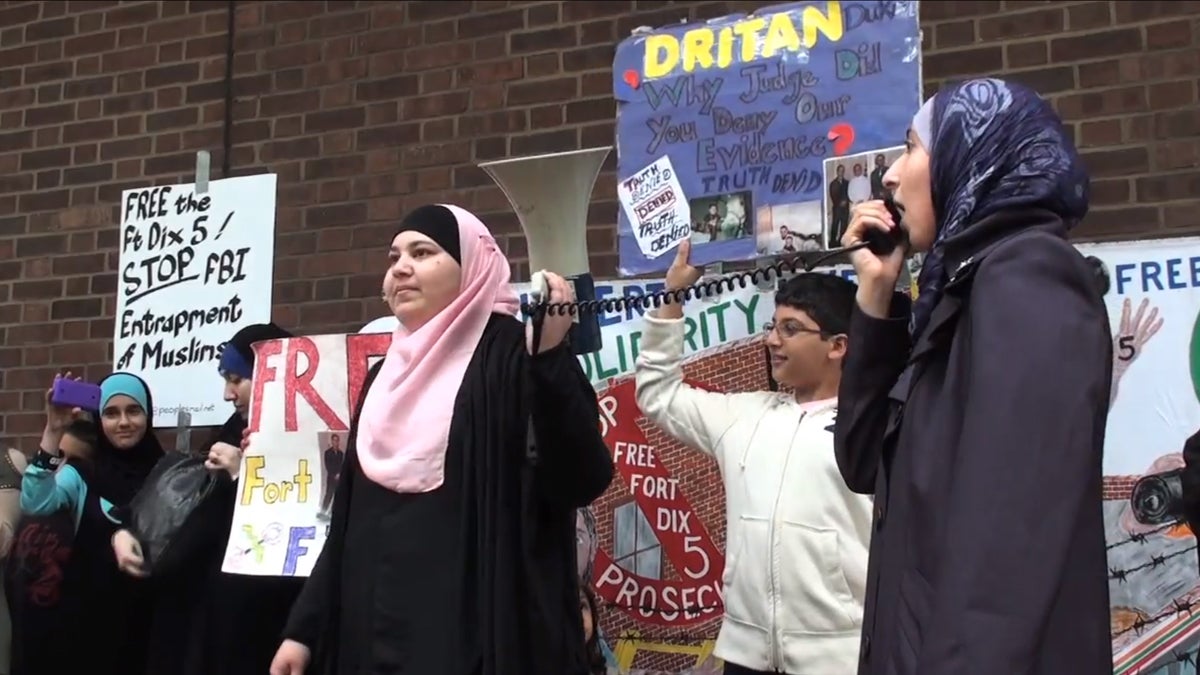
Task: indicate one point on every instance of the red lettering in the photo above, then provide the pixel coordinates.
(264, 372)
(361, 351)
(296, 383)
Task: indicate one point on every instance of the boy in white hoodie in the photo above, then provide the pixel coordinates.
(796, 537)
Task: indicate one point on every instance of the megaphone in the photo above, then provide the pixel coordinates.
(550, 194)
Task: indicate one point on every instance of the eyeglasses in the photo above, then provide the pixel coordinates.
(790, 329)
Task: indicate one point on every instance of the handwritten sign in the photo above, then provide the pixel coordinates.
(300, 411)
(654, 202)
(748, 108)
(194, 269)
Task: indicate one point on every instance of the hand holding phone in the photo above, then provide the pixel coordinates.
(60, 409)
(878, 266)
(75, 393)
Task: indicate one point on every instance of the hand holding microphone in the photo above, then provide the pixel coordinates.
(877, 274)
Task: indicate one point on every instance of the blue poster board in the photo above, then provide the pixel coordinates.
(746, 115)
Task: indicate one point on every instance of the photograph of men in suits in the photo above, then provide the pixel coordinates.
(839, 207)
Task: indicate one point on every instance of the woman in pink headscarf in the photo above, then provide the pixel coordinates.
(452, 542)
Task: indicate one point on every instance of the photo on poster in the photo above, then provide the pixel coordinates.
(332, 448)
(789, 228)
(850, 180)
(722, 217)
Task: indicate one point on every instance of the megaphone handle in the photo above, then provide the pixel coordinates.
(539, 286)
(540, 289)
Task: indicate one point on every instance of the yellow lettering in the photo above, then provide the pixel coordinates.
(273, 493)
(302, 479)
(725, 47)
(697, 49)
(759, 37)
(747, 31)
(662, 55)
(830, 25)
(781, 34)
(253, 477)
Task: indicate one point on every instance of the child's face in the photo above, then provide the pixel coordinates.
(74, 448)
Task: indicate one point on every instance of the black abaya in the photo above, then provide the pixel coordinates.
(207, 622)
(477, 577)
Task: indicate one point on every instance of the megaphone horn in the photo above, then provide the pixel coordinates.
(550, 194)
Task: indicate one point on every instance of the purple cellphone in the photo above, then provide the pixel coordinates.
(75, 394)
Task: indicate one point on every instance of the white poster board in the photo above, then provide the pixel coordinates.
(300, 407)
(194, 269)
(1152, 307)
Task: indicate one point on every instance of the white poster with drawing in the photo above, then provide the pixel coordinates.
(657, 208)
(300, 408)
(194, 269)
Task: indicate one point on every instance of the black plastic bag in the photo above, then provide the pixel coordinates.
(168, 516)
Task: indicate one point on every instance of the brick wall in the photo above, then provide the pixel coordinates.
(366, 109)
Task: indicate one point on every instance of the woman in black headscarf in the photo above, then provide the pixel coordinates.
(978, 419)
(207, 622)
(72, 609)
(452, 545)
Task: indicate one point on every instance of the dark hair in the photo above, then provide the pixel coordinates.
(1103, 280)
(595, 656)
(85, 432)
(828, 299)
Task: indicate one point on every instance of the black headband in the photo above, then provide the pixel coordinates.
(439, 224)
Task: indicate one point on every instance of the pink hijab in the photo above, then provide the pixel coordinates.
(405, 421)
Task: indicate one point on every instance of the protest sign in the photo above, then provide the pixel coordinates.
(653, 201)
(194, 269)
(303, 393)
(748, 109)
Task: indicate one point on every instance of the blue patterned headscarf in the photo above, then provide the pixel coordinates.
(993, 145)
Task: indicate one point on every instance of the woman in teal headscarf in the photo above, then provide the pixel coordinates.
(73, 611)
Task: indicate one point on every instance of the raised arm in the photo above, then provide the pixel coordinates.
(693, 416)
(46, 489)
(875, 357)
(1029, 462)
(574, 464)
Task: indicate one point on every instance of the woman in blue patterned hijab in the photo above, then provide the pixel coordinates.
(976, 416)
(993, 145)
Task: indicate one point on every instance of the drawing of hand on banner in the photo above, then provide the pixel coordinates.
(1130, 339)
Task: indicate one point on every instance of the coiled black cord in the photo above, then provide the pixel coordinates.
(702, 289)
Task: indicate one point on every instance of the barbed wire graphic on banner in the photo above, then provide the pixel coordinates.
(1178, 606)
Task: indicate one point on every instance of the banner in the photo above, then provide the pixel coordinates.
(682, 538)
(1154, 311)
(300, 407)
(726, 129)
(194, 270)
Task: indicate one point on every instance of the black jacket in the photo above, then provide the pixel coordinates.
(982, 445)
